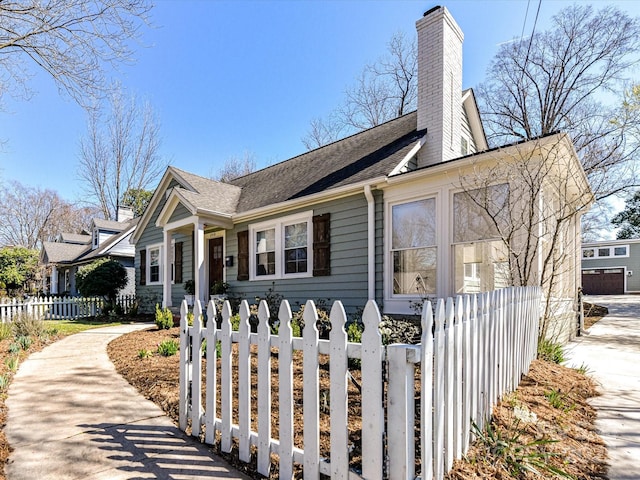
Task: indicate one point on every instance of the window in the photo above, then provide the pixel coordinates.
(606, 252)
(481, 257)
(265, 252)
(413, 250)
(464, 146)
(281, 248)
(154, 265)
(96, 237)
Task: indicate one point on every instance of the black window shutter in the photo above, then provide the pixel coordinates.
(143, 267)
(321, 245)
(243, 255)
(177, 262)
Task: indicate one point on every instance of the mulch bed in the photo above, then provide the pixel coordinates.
(575, 449)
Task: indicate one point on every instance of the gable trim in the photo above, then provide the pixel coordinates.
(412, 153)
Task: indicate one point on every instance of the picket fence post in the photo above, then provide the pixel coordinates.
(338, 368)
(264, 389)
(310, 394)
(285, 392)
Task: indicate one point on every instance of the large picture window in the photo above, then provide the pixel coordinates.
(281, 248)
(481, 257)
(413, 249)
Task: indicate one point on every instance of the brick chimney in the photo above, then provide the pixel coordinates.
(439, 85)
(124, 214)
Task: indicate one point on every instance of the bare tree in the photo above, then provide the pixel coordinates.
(235, 167)
(551, 82)
(72, 40)
(29, 216)
(121, 153)
(526, 209)
(385, 89)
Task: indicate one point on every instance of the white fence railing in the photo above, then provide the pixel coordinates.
(58, 308)
(473, 350)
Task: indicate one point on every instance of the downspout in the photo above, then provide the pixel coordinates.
(371, 243)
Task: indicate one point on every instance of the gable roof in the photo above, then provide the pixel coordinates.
(363, 156)
(105, 246)
(58, 252)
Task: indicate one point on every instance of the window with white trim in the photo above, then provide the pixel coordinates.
(281, 248)
(154, 265)
(605, 251)
(413, 247)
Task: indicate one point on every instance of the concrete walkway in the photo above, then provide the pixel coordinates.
(611, 351)
(72, 416)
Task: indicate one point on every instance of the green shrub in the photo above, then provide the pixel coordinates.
(167, 348)
(28, 326)
(104, 277)
(164, 318)
(14, 348)
(4, 382)
(550, 351)
(354, 332)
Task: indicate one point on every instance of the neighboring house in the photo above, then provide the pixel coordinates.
(379, 215)
(611, 267)
(111, 239)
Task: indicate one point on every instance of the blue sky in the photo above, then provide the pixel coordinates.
(228, 77)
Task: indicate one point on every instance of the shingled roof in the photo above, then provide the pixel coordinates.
(366, 155)
(58, 252)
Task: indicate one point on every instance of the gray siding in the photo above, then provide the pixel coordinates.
(348, 279)
(148, 295)
(631, 263)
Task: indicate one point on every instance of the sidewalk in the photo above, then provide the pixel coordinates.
(71, 416)
(611, 352)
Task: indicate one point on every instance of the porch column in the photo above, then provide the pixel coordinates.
(54, 279)
(166, 277)
(198, 267)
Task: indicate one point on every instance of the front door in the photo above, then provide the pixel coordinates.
(216, 260)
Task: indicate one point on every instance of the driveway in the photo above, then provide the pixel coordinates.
(610, 350)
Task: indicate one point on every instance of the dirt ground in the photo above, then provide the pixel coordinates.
(562, 438)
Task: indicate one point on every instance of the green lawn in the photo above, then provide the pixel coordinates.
(69, 327)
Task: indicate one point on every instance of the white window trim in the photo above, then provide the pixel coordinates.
(612, 249)
(158, 246)
(401, 303)
(278, 224)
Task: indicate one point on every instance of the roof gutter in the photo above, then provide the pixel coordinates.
(371, 243)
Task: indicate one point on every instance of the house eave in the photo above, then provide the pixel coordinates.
(332, 194)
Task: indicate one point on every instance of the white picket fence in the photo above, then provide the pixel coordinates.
(58, 308)
(473, 350)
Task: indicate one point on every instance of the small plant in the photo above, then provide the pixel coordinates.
(164, 318)
(167, 348)
(14, 348)
(235, 322)
(583, 369)
(354, 332)
(133, 309)
(12, 363)
(5, 330)
(550, 351)
(24, 341)
(144, 353)
(508, 452)
(219, 288)
(559, 400)
(190, 317)
(190, 287)
(28, 326)
(4, 382)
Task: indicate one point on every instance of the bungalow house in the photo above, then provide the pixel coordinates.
(62, 257)
(393, 213)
